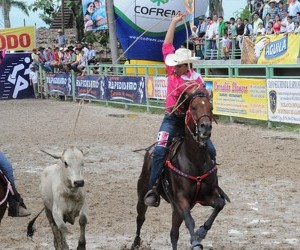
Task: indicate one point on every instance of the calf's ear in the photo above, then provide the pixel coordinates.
(54, 155)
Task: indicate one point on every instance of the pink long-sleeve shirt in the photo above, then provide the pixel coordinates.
(176, 84)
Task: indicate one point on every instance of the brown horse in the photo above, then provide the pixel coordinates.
(4, 192)
(189, 176)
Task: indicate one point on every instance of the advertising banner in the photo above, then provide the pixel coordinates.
(141, 24)
(14, 76)
(271, 49)
(245, 98)
(157, 87)
(284, 100)
(126, 89)
(59, 83)
(94, 15)
(16, 39)
(91, 87)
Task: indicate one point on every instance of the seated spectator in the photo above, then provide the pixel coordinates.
(261, 31)
(35, 58)
(82, 62)
(266, 22)
(75, 64)
(91, 55)
(284, 21)
(55, 62)
(296, 27)
(294, 7)
(270, 30)
(277, 25)
(290, 25)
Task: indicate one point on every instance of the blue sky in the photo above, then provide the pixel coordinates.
(17, 17)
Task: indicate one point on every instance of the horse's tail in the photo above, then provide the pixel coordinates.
(30, 228)
(223, 194)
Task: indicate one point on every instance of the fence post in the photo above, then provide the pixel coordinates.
(73, 85)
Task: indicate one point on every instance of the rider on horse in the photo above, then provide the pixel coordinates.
(16, 207)
(180, 76)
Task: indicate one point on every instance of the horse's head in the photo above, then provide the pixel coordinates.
(198, 120)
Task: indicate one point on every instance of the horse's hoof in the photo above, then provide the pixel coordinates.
(81, 246)
(201, 232)
(136, 244)
(196, 245)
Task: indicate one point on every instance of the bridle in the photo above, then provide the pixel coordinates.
(189, 116)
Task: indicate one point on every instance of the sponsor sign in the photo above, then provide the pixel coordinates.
(59, 83)
(157, 87)
(284, 100)
(141, 25)
(14, 76)
(91, 87)
(21, 38)
(94, 15)
(240, 97)
(126, 89)
(271, 49)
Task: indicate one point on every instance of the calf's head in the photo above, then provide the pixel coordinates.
(72, 165)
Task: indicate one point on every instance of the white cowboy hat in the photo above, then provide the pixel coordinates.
(181, 56)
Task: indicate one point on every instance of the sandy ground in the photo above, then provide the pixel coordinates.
(259, 171)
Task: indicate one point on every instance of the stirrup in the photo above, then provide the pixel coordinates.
(152, 199)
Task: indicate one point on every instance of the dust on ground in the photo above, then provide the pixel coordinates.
(259, 171)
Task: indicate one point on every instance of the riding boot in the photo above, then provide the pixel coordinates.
(16, 205)
(152, 197)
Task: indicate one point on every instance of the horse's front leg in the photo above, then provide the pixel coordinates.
(185, 211)
(176, 223)
(218, 204)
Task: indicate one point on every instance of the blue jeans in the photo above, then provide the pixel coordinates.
(171, 125)
(7, 168)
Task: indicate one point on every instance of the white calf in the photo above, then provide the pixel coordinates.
(64, 196)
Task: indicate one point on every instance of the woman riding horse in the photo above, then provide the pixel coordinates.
(16, 207)
(180, 77)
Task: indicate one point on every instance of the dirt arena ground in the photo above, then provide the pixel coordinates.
(259, 171)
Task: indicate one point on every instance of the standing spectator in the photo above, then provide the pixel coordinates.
(232, 27)
(272, 10)
(240, 31)
(294, 7)
(221, 26)
(91, 54)
(258, 7)
(280, 9)
(210, 35)
(61, 39)
(277, 25)
(226, 44)
(248, 29)
(265, 10)
(256, 22)
(33, 79)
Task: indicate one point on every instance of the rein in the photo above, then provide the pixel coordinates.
(198, 179)
(8, 187)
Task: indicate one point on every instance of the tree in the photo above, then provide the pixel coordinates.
(215, 7)
(6, 8)
(49, 9)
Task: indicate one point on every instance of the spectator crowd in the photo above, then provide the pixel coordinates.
(63, 58)
(268, 17)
